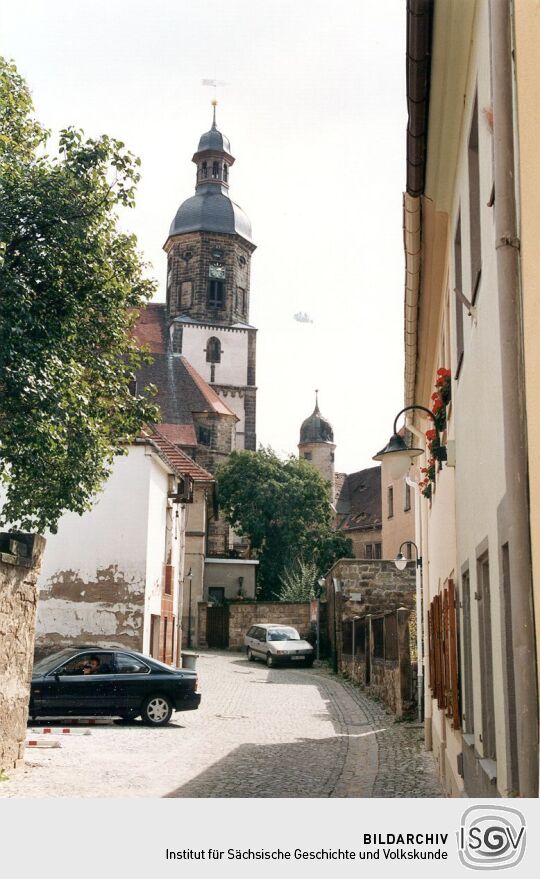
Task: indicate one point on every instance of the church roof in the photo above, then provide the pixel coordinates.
(358, 500)
(181, 391)
(211, 210)
(316, 428)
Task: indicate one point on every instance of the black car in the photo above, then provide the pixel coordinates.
(92, 681)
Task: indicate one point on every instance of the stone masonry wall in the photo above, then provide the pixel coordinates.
(244, 614)
(20, 563)
(369, 589)
(189, 258)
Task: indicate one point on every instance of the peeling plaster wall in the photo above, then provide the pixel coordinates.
(95, 569)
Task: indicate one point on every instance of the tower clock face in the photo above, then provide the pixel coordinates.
(216, 272)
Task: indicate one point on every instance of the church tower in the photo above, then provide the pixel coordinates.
(209, 250)
(317, 445)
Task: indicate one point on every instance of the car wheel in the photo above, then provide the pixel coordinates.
(250, 655)
(157, 711)
(270, 661)
(309, 662)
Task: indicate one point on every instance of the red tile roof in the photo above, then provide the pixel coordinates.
(179, 434)
(214, 400)
(150, 327)
(179, 462)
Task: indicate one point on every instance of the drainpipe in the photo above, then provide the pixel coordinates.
(513, 390)
(423, 590)
(419, 604)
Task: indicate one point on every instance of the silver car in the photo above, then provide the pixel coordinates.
(276, 644)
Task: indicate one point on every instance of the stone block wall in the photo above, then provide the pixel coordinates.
(20, 563)
(244, 614)
(189, 258)
(369, 589)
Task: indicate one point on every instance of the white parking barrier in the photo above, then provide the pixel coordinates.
(45, 742)
(61, 731)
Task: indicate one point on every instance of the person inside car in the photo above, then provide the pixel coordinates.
(91, 666)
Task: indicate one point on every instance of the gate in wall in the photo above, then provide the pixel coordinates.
(217, 626)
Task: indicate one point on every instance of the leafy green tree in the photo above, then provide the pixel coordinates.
(298, 582)
(71, 285)
(283, 507)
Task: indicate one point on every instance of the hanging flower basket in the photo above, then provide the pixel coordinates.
(440, 399)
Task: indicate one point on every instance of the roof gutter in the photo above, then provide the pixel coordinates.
(419, 34)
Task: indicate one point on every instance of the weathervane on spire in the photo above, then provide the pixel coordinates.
(214, 83)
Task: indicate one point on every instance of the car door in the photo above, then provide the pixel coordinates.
(260, 642)
(67, 690)
(133, 681)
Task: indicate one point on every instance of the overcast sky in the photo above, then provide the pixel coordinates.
(314, 107)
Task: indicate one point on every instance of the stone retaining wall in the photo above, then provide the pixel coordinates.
(20, 563)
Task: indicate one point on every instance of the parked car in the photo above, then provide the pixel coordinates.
(277, 645)
(94, 681)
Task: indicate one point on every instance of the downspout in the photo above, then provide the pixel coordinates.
(513, 390)
(422, 586)
(419, 602)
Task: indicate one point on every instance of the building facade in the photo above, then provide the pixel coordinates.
(464, 360)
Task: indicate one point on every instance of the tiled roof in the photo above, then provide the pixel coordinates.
(151, 327)
(179, 462)
(180, 434)
(358, 500)
(213, 400)
(181, 391)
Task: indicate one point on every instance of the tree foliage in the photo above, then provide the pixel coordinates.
(71, 285)
(298, 582)
(283, 507)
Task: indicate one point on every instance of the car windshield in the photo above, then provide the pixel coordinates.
(283, 635)
(48, 662)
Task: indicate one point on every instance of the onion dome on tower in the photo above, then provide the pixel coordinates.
(316, 428)
(211, 209)
(317, 445)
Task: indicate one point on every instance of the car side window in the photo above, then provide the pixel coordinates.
(262, 634)
(252, 632)
(126, 664)
(88, 664)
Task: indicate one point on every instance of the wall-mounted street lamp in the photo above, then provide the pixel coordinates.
(398, 456)
(401, 562)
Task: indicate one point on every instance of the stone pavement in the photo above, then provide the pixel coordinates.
(259, 732)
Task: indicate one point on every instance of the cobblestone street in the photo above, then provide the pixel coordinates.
(258, 733)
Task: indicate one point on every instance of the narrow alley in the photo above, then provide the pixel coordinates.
(258, 733)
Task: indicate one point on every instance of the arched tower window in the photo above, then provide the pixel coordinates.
(204, 169)
(213, 350)
(215, 170)
(225, 172)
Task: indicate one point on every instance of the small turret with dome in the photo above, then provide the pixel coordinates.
(317, 445)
